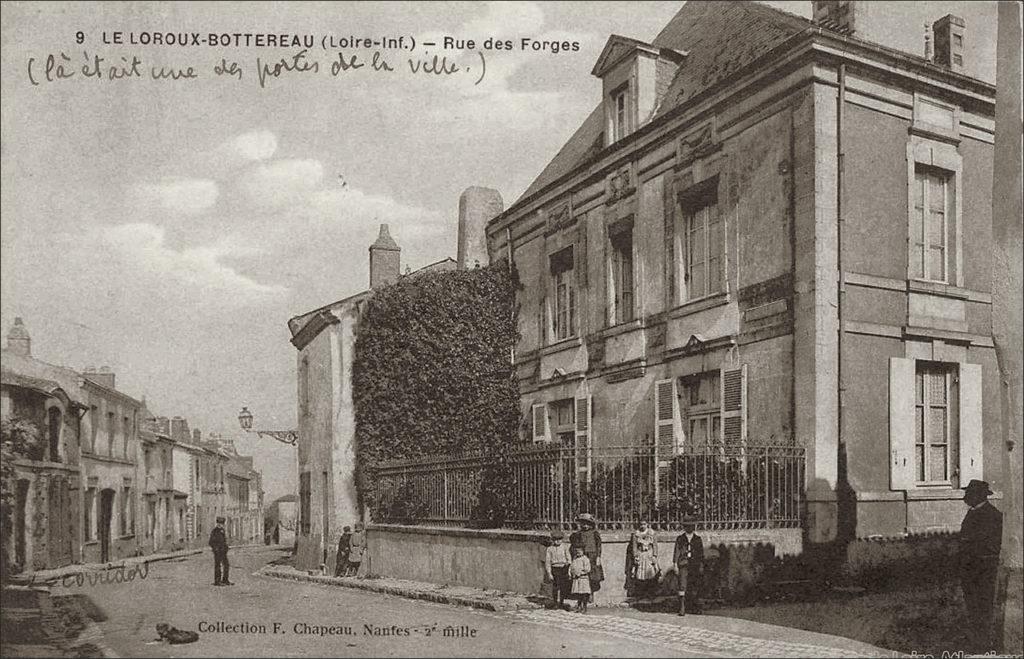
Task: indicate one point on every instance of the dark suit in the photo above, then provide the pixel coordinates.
(688, 558)
(219, 545)
(978, 561)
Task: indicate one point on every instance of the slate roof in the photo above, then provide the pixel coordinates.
(720, 37)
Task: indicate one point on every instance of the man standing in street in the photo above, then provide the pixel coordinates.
(978, 561)
(688, 558)
(219, 545)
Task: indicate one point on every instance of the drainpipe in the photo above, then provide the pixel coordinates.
(841, 292)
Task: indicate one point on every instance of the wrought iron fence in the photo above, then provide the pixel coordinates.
(719, 486)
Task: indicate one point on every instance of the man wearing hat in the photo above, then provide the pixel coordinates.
(688, 558)
(589, 540)
(981, 535)
(219, 545)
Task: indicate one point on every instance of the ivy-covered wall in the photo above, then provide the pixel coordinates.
(432, 373)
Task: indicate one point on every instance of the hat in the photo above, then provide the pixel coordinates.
(220, 520)
(557, 535)
(585, 517)
(689, 520)
(346, 529)
(981, 487)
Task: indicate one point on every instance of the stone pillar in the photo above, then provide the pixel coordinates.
(477, 206)
(1007, 280)
(816, 321)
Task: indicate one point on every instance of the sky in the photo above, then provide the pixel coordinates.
(169, 228)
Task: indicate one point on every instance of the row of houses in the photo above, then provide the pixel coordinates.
(769, 231)
(109, 479)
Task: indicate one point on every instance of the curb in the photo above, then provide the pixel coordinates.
(497, 602)
(43, 577)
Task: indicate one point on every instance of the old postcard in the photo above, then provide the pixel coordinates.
(513, 329)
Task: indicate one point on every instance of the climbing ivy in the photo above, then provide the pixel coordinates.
(432, 373)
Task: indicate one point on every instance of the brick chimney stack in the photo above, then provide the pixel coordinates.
(949, 42)
(385, 259)
(477, 206)
(102, 376)
(18, 340)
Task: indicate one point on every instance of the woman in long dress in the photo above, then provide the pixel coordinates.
(643, 545)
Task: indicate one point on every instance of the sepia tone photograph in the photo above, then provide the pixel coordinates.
(676, 328)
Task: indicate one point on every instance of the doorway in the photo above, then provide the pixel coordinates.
(20, 547)
(105, 521)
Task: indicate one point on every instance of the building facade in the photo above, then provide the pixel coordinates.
(46, 516)
(782, 243)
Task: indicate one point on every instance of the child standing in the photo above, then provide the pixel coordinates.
(579, 572)
(556, 564)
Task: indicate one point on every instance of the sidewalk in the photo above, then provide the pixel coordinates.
(35, 624)
(714, 636)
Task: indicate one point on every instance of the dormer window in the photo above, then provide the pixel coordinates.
(619, 115)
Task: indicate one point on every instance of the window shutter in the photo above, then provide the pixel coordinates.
(584, 439)
(734, 406)
(580, 254)
(540, 423)
(901, 423)
(970, 423)
(666, 419)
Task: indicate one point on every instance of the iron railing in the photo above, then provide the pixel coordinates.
(718, 486)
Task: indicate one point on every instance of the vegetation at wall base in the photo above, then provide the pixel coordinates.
(19, 439)
(433, 376)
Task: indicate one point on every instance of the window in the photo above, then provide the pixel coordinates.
(702, 407)
(563, 292)
(703, 250)
(563, 420)
(126, 429)
(304, 386)
(622, 276)
(935, 421)
(94, 424)
(127, 519)
(54, 419)
(110, 434)
(620, 115)
(930, 224)
(87, 514)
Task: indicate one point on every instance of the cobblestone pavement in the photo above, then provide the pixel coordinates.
(690, 635)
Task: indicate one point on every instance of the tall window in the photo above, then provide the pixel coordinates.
(54, 423)
(127, 521)
(110, 433)
(563, 291)
(622, 275)
(126, 430)
(87, 514)
(304, 386)
(620, 115)
(563, 421)
(930, 225)
(935, 421)
(703, 250)
(702, 405)
(94, 424)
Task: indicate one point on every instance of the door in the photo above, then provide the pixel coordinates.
(105, 522)
(21, 501)
(59, 505)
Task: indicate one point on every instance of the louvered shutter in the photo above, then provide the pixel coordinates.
(666, 419)
(540, 423)
(583, 438)
(970, 423)
(733, 403)
(901, 423)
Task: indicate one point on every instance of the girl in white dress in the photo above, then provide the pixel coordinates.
(579, 572)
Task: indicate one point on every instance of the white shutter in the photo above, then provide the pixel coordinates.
(540, 422)
(970, 423)
(584, 439)
(666, 419)
(733, 402)
(901, 423)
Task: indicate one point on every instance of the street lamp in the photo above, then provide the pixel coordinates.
(290, 437)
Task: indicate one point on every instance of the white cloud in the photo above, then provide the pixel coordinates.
(184, 196)
(279, 183)
(241, 150)
(144, 246)
(357, 211)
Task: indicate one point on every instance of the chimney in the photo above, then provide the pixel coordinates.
(18, 340)
(179, 428)
(837, 15)
(102, 376)
(949, 42)
(197, 436)
(477, 206)
(929, 54)
(162, 425)
(384, 259)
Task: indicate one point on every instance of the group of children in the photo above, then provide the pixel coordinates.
(351, 548)
(568, 570)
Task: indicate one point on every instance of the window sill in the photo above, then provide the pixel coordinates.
(702, 304)
(937, 288)
(563, 344)
(622, 328)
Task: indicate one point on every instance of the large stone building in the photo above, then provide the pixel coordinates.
(773, 231)
(325, 339)
(46, 516)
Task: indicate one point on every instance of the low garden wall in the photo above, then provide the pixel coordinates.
(513, 560)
